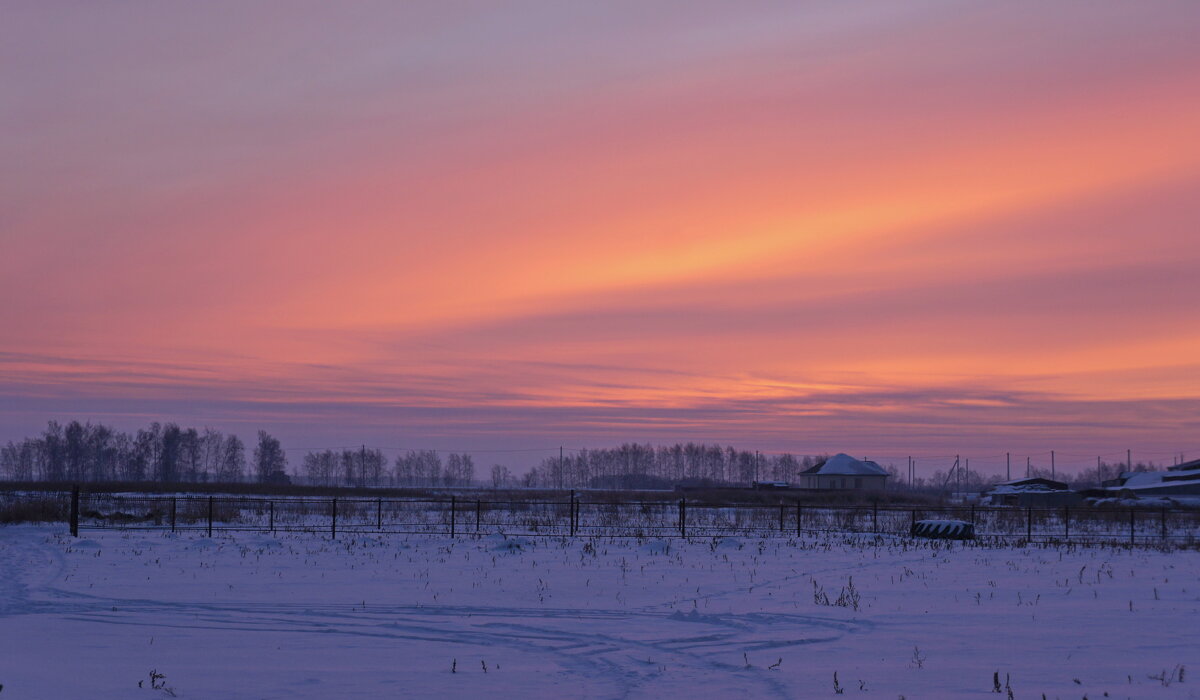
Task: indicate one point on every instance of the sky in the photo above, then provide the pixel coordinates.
(924, 228)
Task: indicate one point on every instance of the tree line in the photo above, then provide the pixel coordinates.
(369, 467)
(165, 453)
(633, 466)
(168, 453)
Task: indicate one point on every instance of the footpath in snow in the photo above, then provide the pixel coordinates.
(300, 616)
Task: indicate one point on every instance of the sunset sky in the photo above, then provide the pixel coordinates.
(890, 229)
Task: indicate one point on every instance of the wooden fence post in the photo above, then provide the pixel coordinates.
(333, 519)
(1132, 523)
(682, 518)
(574, 523)
(210, 515)
(1066, 522)
(782, 515)
(478, 515)
(271, 515)
(379, 514)
(1163, 521)
(453, 508)
(798, 518)
(173, 499)
(875, 517)
(1029, 523)
(74, 518)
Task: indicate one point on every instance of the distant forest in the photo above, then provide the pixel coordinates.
(633, 466)
(167, 453)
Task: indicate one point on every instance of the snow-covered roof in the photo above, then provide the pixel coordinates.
(1136, 479)
(843, 464)
(1150, 481)
(1029, 485)
(1000, 489)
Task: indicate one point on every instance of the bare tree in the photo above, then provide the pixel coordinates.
(501, 476)
(269, 461)
(233, 460)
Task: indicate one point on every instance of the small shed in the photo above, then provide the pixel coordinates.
(842, 471)
(1034, 492)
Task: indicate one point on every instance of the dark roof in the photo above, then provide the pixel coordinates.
(1037, 481)
(1185, 466)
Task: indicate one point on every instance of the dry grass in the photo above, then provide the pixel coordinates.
(33, 509)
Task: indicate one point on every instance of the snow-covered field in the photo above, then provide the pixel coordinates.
(300, 616)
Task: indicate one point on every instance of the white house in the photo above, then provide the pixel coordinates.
(842, 471)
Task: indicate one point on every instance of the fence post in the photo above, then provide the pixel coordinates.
(379, 514)
(1066, 522)
(173, 499)
(74, 521)
(875, 517)
(797, 518)
(914, 522)
(453, 507)
(478, 514)
(682, 518)
(573, 522)
(782, 515)
(1028, 524)
(972, 514)
(210, 515)
(1132, 518)
(333, 519)
(1163, 517)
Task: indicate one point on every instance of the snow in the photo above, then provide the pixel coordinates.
(1143, 479)
(303, 616)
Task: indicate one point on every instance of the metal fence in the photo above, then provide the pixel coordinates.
(455, 516)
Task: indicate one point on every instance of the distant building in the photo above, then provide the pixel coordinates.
(1033, 492)
(842, 471)
(771, 486)
(1185, 466)
(1179, 480)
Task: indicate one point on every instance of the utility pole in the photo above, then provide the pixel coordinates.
(1008, 466)
(756, 465)
(1051, 464)
(362, 466)
(561, 467)
(1129, 460)
(1027, 468)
